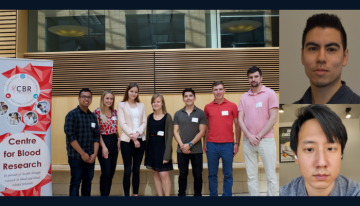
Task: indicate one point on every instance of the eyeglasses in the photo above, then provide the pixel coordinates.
(86, 97)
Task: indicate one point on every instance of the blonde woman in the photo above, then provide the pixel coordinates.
(132, 120)
(109, 140)
(159, 137)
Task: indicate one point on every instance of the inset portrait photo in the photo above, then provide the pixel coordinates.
(30, 118)
(13, 118)
(43, 107)
(318, 57)
(3, 108)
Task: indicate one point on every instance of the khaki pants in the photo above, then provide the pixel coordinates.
(267, 150)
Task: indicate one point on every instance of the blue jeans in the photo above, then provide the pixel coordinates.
(215, 151)
(80, 171)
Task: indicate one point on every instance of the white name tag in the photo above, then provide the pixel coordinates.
(259, 104)
(224, 113)
(160, 133)
(114, 118)
(194, 119)
(93, 124)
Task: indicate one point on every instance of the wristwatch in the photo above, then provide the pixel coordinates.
(191, 145)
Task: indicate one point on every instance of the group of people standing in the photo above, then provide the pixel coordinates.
(96, 134)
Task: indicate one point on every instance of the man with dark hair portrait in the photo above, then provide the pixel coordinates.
(324, 53)
(318, 138)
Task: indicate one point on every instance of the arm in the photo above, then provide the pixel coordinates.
(252, 138)
(202, 129)
(122, 121)
(238, 136)
(105, 151)
(168, 139)
(270, 123)
(206, 136)
(177, 136)
(96, 140)
(84, 156)
(93, 156)
(143, 123)
(119, 141)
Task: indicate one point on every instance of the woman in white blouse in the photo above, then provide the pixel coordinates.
(132, 120)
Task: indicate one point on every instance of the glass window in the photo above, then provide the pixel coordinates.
(249, 28)
(155, 31)
(84, 30)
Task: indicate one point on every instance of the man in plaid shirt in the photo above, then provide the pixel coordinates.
(82, 144)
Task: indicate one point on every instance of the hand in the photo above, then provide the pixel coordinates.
(204, 148)
(186, 152)
(254, 140)
(85, 157)
(185, 148)
(118, 144)
(164, 162)
(134, 136)
(137, 144)
(92, 159)
(236, 150)
(105, 152)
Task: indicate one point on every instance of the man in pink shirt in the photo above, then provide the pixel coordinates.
(258, 112)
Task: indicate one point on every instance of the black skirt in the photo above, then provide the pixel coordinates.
(154, 155)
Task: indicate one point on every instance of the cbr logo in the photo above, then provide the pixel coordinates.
(23, 88)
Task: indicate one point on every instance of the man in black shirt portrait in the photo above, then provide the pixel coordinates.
(323, 55)
(82, 144)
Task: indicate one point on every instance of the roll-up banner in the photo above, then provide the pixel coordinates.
(25, 127)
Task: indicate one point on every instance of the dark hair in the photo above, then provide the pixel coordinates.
(330, 123)
(126, 94)
(85, 90)
(188, 90)
(6, 106)
(39, 105)
(216, 83)
(29, 113)
(253, 70)
(325, 20)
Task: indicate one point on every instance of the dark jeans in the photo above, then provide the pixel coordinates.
(108, 165)
(132, 158)
(197, 168)
(80, 171)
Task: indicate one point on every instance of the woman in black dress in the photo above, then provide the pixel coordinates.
(159, 137)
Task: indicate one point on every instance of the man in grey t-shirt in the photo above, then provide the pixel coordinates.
(191, 122)
(318, 139)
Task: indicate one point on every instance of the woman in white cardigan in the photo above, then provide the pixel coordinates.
(132, 120)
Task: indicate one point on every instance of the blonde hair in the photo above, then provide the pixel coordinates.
(162, 100)
(102, 107)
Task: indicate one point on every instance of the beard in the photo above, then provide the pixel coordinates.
(254, 85)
